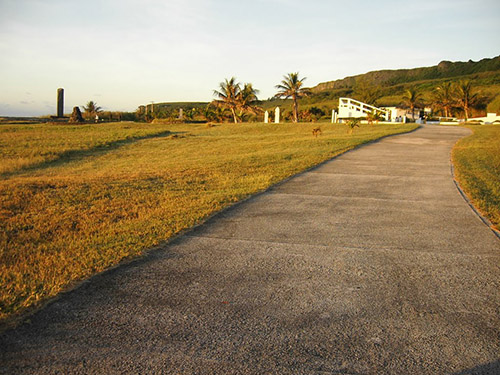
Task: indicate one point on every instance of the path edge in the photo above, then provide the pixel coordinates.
(465, 197)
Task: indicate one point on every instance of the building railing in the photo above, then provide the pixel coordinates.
(354, 108)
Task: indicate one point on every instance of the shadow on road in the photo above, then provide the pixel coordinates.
(491, 368)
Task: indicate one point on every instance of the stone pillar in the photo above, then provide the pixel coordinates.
(277, 115)
(266, 117)
(60, 102)
(181, 114)
(76, 116)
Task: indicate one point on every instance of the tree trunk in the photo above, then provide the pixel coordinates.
(234, 115)
(295, 110)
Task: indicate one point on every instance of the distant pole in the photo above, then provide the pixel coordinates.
(152, 107)
(60, 102)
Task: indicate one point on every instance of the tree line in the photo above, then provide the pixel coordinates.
(448, 99)
(238, 103)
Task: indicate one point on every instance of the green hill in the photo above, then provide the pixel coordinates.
(445, 69)
(391, 84)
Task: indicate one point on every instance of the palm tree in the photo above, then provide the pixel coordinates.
(291, 87)
(412, 99)
(228, 95)
(352, 123)
(373, 116)
(444, 96)
(92, 109)
(465, 98)
(247, 100)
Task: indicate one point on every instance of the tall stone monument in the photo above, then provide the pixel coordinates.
(60, 102)
(277, 115)
(266, 117)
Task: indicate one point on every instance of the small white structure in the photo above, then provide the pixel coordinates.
(489, 119)
(181, 114)
(334, 117)
(351, 108)
(397, 114)
(266, 117)
(277, 115)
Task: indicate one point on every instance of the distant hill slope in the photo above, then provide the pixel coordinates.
(445, 69)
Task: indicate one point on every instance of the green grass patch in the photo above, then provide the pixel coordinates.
(75, 200)
(477, 169)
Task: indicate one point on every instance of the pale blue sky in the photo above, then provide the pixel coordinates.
(123, 53)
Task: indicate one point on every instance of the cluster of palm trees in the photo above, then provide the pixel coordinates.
(460, 95)
(243, 99)
(238, 99)
(446, 97)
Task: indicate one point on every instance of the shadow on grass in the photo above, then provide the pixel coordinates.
(76, 155)
(486, 369)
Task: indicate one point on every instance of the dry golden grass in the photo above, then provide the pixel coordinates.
(75, 200)
(477, 165)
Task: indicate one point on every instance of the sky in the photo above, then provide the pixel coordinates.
(124, 53)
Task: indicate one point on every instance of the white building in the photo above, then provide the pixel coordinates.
(351, 108)
(489, 119)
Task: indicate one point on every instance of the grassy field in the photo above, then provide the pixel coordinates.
(75, 200)
(477, 168)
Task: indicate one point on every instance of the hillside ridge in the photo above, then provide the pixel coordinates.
(387, 77)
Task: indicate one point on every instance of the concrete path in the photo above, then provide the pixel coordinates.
(372, 263)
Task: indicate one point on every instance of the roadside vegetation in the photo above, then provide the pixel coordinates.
(77, 199)
(477, 168)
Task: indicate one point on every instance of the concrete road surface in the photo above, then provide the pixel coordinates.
(372, 263)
